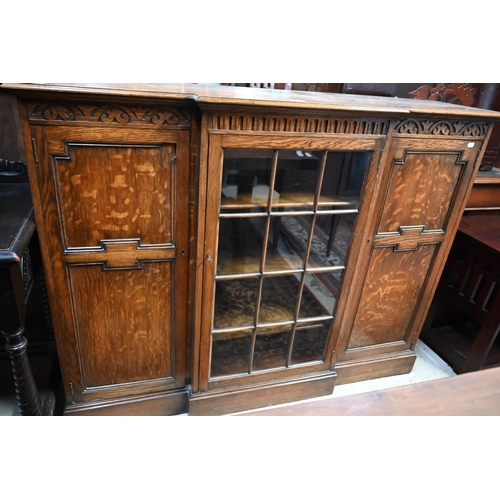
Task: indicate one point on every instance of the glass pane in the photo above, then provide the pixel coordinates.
(343, 180)
(235, 302)
(240, 245)
(296, 178)
(230, 353)
(279, 298)
(287, 242)
(246, 176)
(331, 239)
(309, 342)
(320, 293)
(271, 347)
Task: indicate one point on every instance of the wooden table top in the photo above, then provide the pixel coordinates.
(17, 222)
(484, 228)
(470, 394)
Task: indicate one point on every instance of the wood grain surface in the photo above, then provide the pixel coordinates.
(471, 394)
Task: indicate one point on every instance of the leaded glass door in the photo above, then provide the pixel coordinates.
(285, 220)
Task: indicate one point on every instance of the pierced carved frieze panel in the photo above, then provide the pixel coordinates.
(107, 192)
(247, 123)
(441, 128)
(108, 114)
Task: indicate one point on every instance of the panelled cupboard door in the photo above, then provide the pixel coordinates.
(115, 219)
(426, 182)
(281, 223)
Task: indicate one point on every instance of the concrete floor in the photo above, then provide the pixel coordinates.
(428, 366)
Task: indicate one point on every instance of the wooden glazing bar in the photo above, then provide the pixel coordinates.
(246, 215)
(263, 257)
(285, 272)
(229, 277)
(234, 329)
(275, 324)
(330, 269)
(316, 319)
(289, 213)
(306, 256)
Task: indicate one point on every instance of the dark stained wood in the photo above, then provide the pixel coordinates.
(468, 292)
(471, 394)
(17, 227)
(11, 143)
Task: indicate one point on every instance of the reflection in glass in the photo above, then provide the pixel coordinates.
(235, 302)
(240, 245)
(331, 239)
(343, 180)
(297, 177)
(271, 348)
(246, 176)
(280, 279)
(279, 298)
(230, 353)
(287, 243)
(309, 342)
(320, 289)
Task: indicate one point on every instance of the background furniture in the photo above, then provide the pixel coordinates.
(17, 226)
(158, 310)
(464, 320)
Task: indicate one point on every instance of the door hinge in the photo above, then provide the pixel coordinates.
(35, 151)
(72, 392)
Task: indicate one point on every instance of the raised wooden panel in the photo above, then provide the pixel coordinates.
(124, 322)
(424, 182)
(389, 297)
(420, 190)
(109, 191)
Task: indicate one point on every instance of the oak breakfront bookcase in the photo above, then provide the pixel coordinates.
(215, 249)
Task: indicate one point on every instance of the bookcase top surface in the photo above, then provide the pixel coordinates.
(264, 98)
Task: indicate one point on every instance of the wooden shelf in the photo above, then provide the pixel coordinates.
(292, 200)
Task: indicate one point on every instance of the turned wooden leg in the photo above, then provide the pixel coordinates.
(26, 390)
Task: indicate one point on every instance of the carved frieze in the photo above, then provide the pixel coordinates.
(109, 114)
(445, 128)
(246, 123)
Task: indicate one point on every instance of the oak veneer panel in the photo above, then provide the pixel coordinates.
(421, 190)
(389, 297)
(112, 191)
(122, 337)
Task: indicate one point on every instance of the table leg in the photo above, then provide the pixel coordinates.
(26, 390)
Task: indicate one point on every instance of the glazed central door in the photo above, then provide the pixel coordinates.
(116, 219)
(280, 224)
